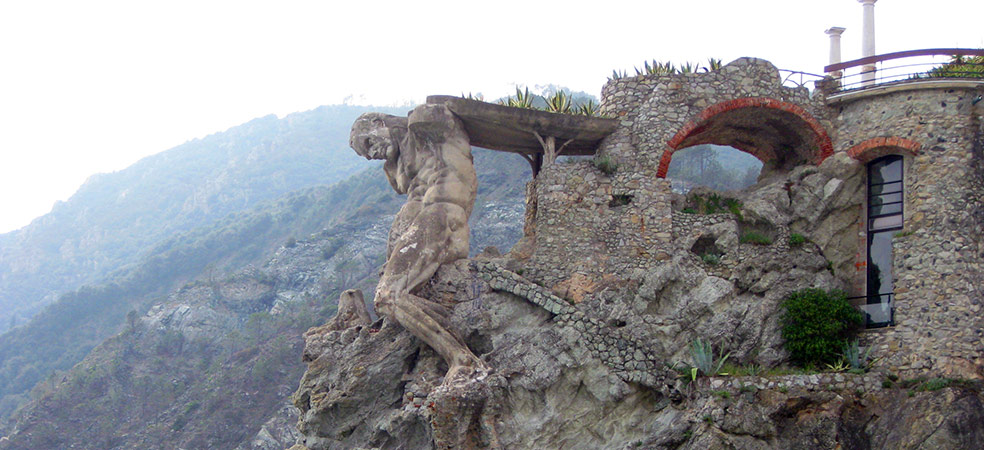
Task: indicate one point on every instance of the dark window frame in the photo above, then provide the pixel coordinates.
(888, 295)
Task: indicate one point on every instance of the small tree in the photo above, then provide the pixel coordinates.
(817, 325)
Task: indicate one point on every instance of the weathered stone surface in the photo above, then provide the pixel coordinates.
(280, 429)
(553, 387)
(508, 129)
(428, 157)
(352, 311)
(580, 324)
(353, 389)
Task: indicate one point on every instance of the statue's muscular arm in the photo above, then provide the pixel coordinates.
(433, 165)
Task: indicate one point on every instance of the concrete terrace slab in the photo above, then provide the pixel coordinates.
(510, 129)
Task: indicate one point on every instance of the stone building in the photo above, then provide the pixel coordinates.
(908, 247)
(586, 321)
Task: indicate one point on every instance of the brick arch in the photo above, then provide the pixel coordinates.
(875, 148)
(821, 141)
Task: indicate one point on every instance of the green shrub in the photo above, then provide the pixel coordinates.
(734, 206)
(711, 259)
(935, 384)
(722, 393)
(605, 164)
(756, 238)
(796, 240)
(713, 204)
(689, 210)
(291, 243)
(817, 325)
(331, 248)
(748, 388)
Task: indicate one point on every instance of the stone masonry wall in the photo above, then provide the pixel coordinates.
(652, 109)
(937, 257)
(630, 360)
(590, 226)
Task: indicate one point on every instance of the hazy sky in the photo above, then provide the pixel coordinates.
(93, 86)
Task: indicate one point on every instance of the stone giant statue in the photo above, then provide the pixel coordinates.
(428, 157)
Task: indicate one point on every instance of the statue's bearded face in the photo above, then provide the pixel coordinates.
(377, 136)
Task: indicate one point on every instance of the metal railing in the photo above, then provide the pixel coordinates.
(878, 309)
(793, 78)
(919, 65)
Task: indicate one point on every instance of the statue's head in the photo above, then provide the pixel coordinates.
(378, 136)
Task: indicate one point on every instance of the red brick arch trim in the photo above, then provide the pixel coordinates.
(872, 149)
(820, 135)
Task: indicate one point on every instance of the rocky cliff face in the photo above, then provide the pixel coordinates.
(212, 364)
(587, 365)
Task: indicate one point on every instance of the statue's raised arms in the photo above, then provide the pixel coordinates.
(428, 157)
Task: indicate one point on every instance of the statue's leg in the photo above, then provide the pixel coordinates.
(434, 236)
(422, 318)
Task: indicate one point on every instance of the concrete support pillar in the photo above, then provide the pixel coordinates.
(835, 50)
(868, 40)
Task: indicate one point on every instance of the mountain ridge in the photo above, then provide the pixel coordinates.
(116, 217)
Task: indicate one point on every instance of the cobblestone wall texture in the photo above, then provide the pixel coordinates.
(938, 258)
(630, 360)
(589, 225)
(652, 110)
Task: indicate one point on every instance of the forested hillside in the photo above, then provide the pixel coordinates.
(209, 334)
(115, 219)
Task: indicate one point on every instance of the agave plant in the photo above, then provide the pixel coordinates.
(712, 65)
(559, 103)
(839, 366)
(702, 355)
(688, 67)
(656, 68)
(587, 109)
(616, 75)
(478, 97)
(856, 359)
(523, 99)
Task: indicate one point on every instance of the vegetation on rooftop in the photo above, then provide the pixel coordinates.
(555, 100)
(663, 68)
(960, 67)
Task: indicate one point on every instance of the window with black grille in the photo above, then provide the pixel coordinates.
(885, 206)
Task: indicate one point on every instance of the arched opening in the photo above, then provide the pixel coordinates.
(781, 135)
(718, 167)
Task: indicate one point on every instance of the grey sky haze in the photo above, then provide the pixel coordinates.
(93, 86)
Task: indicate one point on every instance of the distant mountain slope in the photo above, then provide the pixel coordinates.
(115, 218)
(350, 221)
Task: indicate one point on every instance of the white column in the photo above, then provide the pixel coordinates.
(835, 49)
(868, 40)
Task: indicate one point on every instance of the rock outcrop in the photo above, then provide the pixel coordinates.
(592, 368)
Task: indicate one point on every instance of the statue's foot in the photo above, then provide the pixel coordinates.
(465, 373)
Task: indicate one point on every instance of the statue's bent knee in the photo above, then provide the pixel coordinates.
(383, 303)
